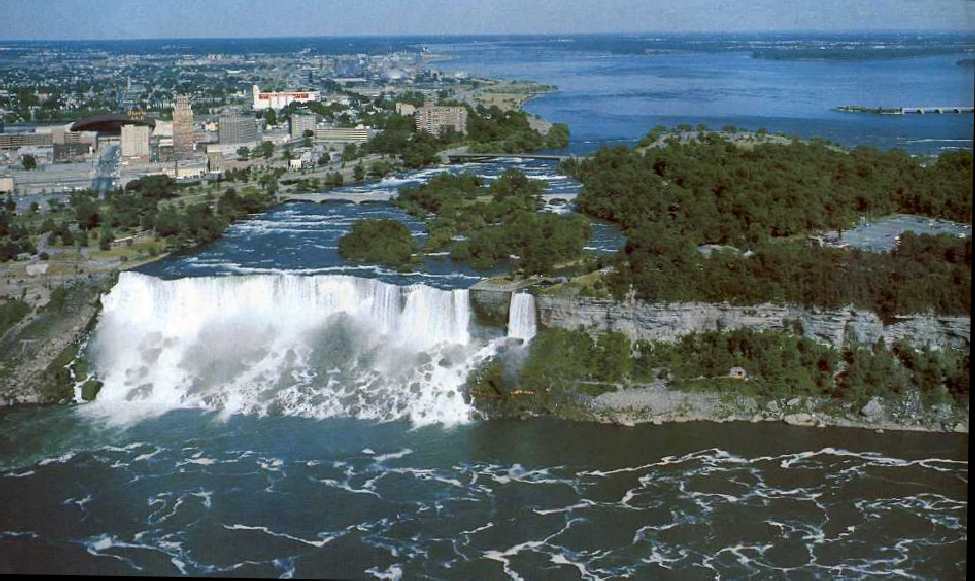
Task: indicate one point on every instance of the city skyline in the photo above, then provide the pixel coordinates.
(181, 19)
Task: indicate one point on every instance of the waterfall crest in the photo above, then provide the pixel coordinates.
(521, 316)
(317, 346)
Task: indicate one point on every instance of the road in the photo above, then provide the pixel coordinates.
(106, 172)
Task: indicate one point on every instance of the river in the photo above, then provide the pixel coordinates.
(270, 410)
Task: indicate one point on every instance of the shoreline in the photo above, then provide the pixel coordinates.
(658, 405)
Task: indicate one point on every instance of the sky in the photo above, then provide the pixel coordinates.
(140, 19)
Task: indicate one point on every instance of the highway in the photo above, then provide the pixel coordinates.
(106, 171)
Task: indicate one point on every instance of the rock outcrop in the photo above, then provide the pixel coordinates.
(33, 357)
(657, 404)
(670, 321)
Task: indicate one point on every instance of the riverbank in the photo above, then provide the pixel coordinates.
(37, 355)
(631, 362)
(63, 295)
(659, 403)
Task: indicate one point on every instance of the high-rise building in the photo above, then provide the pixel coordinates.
(236, 128)
(301, 123)
(135, 141)
(183, 127)
(435, 120)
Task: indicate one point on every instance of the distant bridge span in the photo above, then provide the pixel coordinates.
(355, 197)
(462, 157)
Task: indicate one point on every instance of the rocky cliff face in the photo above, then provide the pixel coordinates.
(33, 357)
(670, 321)
(490, 305)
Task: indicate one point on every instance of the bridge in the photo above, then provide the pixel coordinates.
(462, 157)
(906, 110)
(936, 110)
(355, 197)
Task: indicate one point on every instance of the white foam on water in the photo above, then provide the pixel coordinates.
(314, 346)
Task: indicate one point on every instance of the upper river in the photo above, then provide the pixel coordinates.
(271, 410)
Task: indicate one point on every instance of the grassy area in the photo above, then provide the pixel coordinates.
(509, 95)
(592, 285)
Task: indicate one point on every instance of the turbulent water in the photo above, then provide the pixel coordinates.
(315, 346)
(271, 410)
(287, 496)
(302, 237)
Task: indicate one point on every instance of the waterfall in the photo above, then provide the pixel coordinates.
(317, 346)
(521, 316)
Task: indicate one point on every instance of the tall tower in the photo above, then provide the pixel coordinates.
(183, 127)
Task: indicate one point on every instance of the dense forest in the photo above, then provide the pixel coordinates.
(924, 273)
(484, 224)
(760, 201)
(714, 192)
(778, 365)
(380, 241)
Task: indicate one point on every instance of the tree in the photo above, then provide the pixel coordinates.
(271, 117)
(359, 172)
(86, 211)
(29, 162)
(105, 237)
(244, 153)
(383, 241)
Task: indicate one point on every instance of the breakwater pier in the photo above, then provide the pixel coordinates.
(906, 110)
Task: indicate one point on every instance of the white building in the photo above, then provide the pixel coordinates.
(405, 109)
(6, 185)
(280, 99)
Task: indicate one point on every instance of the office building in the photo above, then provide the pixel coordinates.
(280, 99)
(183, 138)
(64, 152)
(301, 123)
(25, 139)
(135, 141)
(236, 128)
(436, 120)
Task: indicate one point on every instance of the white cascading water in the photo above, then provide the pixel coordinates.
(521, 317)
(318, 346)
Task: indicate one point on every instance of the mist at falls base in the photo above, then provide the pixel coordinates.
(310, 346)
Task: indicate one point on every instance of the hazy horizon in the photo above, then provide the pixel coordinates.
(111, 20)
(624, 33)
